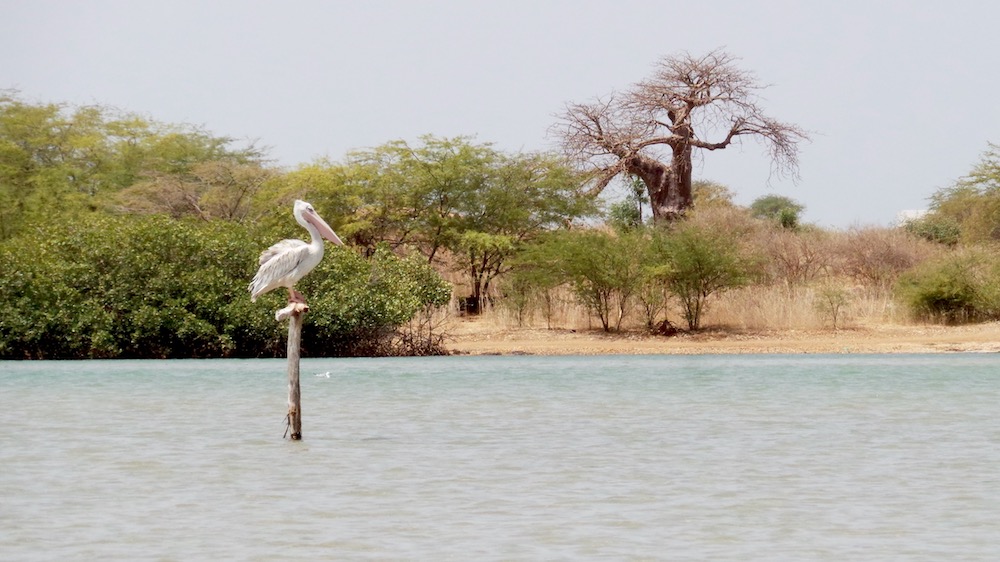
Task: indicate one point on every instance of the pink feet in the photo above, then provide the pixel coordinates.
(296, 303)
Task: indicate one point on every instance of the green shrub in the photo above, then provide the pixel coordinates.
(960, 287)
(830, 301)
(604, 270)
(357, 303)
(151, 287)
(695, 263)
(782, 210)
(936, 228)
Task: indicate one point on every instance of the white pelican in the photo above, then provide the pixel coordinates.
(284, 263)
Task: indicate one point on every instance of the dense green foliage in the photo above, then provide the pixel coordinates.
(698, 262)
(963, 286)
(119, 286)
(358, 303)
(62, 161)
(445, 198)
(154, 287)
(936, 227)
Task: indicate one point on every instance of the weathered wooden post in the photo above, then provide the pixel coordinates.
(294, 394)
(294, 314)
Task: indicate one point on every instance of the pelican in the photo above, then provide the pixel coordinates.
(284, 263)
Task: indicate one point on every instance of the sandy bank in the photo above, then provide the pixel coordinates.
(476, 337)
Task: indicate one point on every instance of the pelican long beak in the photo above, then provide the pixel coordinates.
(324, 229)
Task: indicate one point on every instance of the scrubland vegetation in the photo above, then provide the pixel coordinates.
(124, 237)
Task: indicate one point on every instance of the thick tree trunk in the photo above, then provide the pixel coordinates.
(669, 186)
(681, 187)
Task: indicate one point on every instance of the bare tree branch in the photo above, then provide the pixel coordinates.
(651, 129)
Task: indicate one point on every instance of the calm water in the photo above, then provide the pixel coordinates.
(515, 458)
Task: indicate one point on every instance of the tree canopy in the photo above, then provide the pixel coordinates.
(446, 196)
(970, 206)
(165, 223)
(60, 160)
(778, 208)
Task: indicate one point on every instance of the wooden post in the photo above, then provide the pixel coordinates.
(294, 316)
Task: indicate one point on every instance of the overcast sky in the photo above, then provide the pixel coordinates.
(900, 96)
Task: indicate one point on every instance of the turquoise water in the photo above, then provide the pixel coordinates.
(876, 457)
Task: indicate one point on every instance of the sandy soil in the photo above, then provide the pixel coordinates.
(477, 337)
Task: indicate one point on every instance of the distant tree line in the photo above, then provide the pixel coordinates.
(124, 237)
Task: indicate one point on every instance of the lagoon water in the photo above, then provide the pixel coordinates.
(504, 458)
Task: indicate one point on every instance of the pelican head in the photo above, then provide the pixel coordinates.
(306, 215)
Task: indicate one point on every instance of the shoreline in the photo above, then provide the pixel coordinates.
(472, 337)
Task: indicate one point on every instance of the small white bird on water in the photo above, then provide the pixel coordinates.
(326, 374)
(283, 264)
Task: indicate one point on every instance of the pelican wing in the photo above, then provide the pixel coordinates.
(279, 266)
(278, 249)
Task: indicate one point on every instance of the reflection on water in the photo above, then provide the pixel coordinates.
(762, 457)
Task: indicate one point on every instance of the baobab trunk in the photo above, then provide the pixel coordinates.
(669, 187)
(681, 198)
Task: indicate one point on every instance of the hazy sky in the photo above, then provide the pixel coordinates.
(901, 97)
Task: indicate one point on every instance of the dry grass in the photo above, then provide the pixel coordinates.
(750, 308)
(759, 307)
(800, 308)
(563, 313)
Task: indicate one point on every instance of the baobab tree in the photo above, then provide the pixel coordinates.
(652, 129)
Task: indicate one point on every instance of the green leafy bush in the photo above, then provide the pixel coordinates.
(604, 270)
(357, 303)
(936, 228)
(778, 208)
(963, 286)
(968, 211)
(151, 287)
(696, 262)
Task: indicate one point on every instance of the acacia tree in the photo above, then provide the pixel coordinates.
(784, 211)
(51, 160)
(522, 197)
(698, 262)
(604, 270)
(217, 189)
(456, 202)
(56, 158)
(652, 130)
(971, 205)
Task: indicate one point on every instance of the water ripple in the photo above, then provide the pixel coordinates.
(499, 458)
